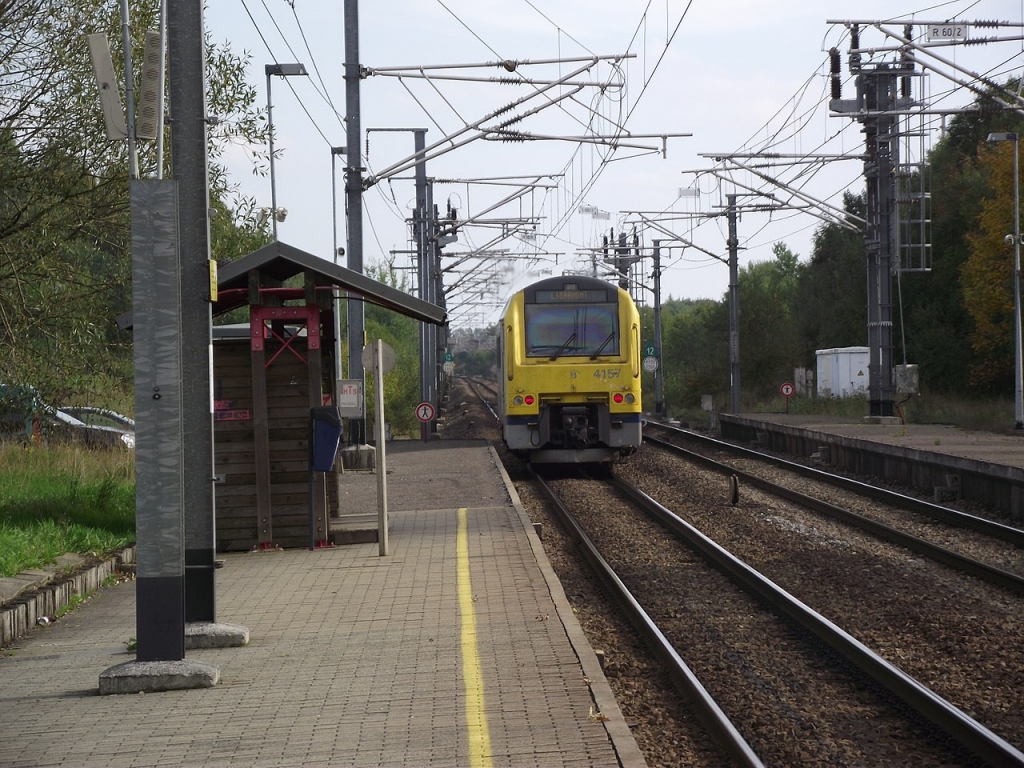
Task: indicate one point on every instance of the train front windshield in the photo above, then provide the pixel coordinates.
(572, 330)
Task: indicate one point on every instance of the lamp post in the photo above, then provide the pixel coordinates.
(1018, 382)
(281, 70)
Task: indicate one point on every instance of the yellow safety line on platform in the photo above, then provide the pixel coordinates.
(476, 716)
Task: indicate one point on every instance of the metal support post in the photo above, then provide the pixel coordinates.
(436, 292)
(129, 92)
(881, 135)
(335, 151)
(1018, 381)
(423, 274)
(354, 204)
(659, 374)
(270, 141)
(734, 307)
(877, 100)
(159, 457)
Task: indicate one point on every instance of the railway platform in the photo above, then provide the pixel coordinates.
(935, 459)
(457, 648)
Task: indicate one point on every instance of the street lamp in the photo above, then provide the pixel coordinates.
(281, 70)
(1018, 382)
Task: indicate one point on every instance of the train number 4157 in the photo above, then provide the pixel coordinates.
(607, 373)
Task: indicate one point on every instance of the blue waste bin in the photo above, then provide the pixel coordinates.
(327, 433)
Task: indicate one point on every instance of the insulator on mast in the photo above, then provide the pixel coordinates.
(854, 46)
(908, 32)
(835, 73)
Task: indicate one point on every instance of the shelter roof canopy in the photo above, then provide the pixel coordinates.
(281, 261)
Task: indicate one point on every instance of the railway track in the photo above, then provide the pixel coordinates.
(954, 633)
(710, 447)
(484, 391)
(998, 546)
(479, 384)
(823, 703)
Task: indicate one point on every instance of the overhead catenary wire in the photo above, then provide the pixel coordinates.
(605, 157)
(275, 60)
(584, 166)
(810, 171)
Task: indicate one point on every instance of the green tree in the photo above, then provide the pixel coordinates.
(695, 352)
(769, 337)
(832, 289)
(402, 384)
(64, 224)
(933, 319)
(939, 319)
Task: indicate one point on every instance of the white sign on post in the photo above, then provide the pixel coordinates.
(350, 398)
(387, 356)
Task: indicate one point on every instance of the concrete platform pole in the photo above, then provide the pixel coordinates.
(159, 523)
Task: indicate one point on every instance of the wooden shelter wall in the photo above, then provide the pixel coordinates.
(288, 419)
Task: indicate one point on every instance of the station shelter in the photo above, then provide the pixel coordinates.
(268, 375)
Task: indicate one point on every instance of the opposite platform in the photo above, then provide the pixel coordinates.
(982, 467)
(456, 649)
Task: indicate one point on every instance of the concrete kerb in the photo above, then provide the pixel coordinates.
(154, 676)
(37, 596)
(205, 634)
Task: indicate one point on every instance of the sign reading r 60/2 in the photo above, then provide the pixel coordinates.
(947, 31)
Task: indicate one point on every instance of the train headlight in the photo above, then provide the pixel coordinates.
(528, 399)
(617, 397)
(630, 398)
(517, 400)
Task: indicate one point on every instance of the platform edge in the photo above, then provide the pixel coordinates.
(621, 737)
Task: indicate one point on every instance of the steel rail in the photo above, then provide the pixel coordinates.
(472, 385)
(937, 511)
(984, 571)
(966, 731)
(711, 715)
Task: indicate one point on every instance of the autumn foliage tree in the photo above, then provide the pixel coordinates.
(987, 275)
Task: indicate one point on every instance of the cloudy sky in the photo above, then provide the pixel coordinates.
(739, 76)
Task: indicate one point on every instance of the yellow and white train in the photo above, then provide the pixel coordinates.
(569, 371)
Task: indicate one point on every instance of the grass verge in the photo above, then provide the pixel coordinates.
(62, 499)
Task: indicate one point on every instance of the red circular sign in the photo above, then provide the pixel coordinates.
(425, 411)
(787, 390)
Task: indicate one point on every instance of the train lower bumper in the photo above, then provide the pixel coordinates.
(584, 456)
(617, 433)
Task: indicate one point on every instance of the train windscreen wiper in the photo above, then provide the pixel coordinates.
(564, 347)
(603, 345)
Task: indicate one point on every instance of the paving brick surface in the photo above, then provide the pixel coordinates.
(354, 658)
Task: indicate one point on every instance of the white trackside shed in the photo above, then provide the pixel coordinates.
(842, 371)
